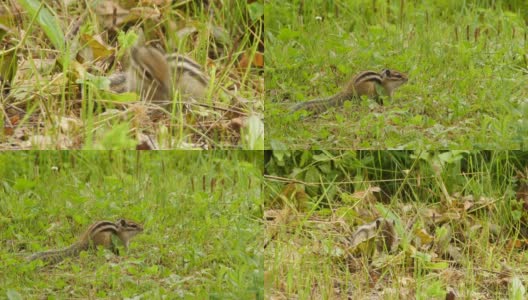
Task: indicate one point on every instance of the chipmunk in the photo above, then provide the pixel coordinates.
(155, 76)
(363, 84)
(99, 233)
(382, 229)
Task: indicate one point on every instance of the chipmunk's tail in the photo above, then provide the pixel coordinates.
(321, 105)
(55, 256)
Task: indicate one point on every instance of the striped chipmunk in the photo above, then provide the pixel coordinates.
(98, 234)
(156, 76)
(366, 83)
(382, 230)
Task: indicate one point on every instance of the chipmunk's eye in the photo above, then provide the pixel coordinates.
(148, 75)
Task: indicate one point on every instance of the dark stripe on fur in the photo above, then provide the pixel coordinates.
(198, 76)
(181, 58)
(365, 74)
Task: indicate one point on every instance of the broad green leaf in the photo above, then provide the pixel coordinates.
(253, 134)
(517, 289)
(47, 21)
(14, 295)
(256, 10)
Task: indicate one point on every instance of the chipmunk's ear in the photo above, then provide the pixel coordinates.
(140, 38)
(121, 222)
(138, 55)
(386, 72)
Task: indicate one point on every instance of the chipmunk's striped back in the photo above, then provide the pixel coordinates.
(367, 76)
(188, 76)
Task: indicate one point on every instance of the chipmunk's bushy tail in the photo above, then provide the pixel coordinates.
(55, 256)
(321, 105)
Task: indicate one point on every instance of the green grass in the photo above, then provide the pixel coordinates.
(480, 213)
(56, 59)
(466, 61)
(201, 213)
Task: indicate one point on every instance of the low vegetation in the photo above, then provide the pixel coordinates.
(56, 58)
(458, 225)
(466, 61)
(201, 214)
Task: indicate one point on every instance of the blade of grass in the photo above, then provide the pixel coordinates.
(46, 20)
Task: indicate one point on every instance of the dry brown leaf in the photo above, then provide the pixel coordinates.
(431, 216)
(434, 217)
(374, 277)
(144, 13)
(367, 195)
(423, 236)
(236, 124)
(14, 119)
(467, 205)
(156, 2)
(68, 125)
(293, 193)
(46, 142)
(515, 244)
(282, 218)
(98, 48)
(455, 254)
(257, 61)
(109, 12)
(9, 131)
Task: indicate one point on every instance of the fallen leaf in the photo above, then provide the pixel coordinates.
(424, 237)
(293, 193)
(236, 124)
(14, 119)
(467, 205)
(246, 61)
(97, 46)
